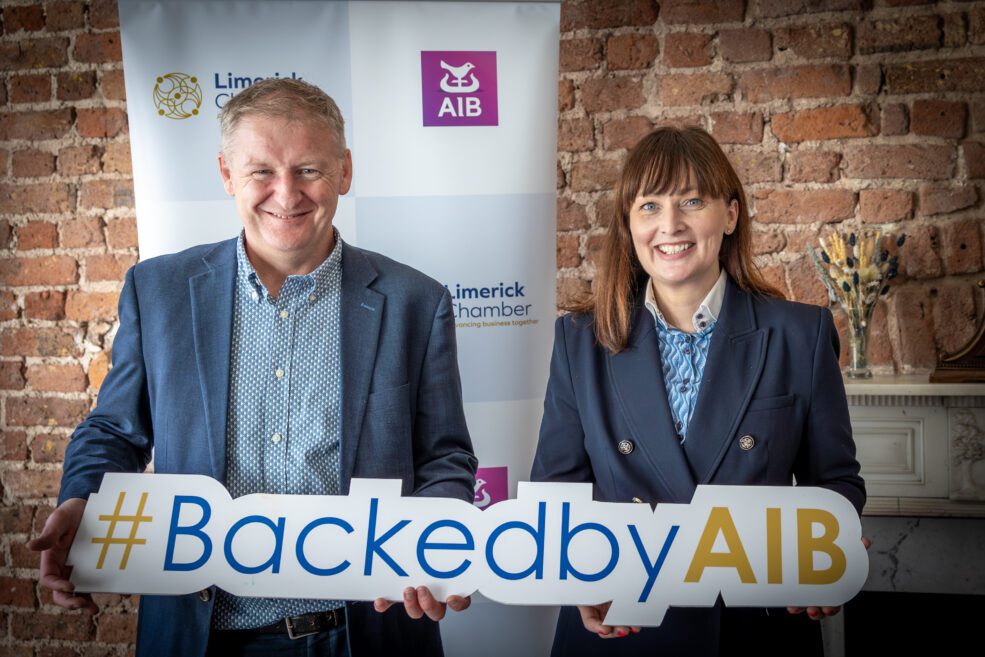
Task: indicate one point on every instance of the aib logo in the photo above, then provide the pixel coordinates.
(491, 486)
(177, 96)
(459, 88)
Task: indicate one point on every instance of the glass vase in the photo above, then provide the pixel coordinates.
(858, 364)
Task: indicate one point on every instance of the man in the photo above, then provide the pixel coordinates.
(284, 361)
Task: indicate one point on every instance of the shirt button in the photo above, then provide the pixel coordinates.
(679, 425)
(283, 314)
(699, 316)
(683, 388)
(279, 373)
(255, 295)
(311, 298)
(702, 324)
(275, 439)
(687, 350)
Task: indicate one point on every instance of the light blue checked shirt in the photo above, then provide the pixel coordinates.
(284, 422)
(683, 355)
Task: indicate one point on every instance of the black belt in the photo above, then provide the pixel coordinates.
(304, 625)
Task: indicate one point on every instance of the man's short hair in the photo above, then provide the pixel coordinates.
(282, 98)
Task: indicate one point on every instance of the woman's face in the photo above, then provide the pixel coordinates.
(677, 238)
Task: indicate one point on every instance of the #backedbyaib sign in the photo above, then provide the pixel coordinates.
(754, 545)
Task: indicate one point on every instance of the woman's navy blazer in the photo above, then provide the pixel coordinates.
(772, 374)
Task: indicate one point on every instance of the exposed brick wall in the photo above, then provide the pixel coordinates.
(845, 113)
(833, 112)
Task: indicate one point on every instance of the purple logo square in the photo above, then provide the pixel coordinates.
(491, 485)
(459, 88)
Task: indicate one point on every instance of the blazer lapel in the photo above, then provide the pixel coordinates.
(735, 363)
(637, 377)
(362, 314)
(212, 326)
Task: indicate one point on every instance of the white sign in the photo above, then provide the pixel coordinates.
(756, 546)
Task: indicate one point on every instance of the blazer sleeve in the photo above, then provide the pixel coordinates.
(117, 435)
(561, 454)
(827, 454)
(444, 462)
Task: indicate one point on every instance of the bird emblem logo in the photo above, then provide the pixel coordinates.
(455, 81)
(482, 497)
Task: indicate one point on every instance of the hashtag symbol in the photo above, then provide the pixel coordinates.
(130, 541)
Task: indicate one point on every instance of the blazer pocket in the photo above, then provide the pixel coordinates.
(766, 403)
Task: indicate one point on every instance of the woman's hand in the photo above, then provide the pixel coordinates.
(420, 602)
(817, 613)
(591, 618)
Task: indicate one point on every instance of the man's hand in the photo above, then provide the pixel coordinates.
(817, 613)
(419, 602)
(53, 544)
(591, 618)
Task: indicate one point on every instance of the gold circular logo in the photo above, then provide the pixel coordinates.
(177, 96)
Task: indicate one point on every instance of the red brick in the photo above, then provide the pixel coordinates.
(47, 411)
(37, 235)
(47, 304)
(689, 12)
(935, 76)
(8, 305)
(6, 234)
(30, 88)
(61, 16)
(974, 158)
(103, 14)
(868, 79)
(605, 209)
(954, 315)
(976, 25)
(65, 626)
(98, 369)
(48, 448)
(17, 592)
(580, 54)
(805, 286)
(15, 519)
(820, 81)
(559, 175)
(11, 375)
(117, 628)
(40, 197)
(766, 242)
(687, 49)
(625, 133)
(919, 257)
(78, 160)
(53, 342)
(883, 206)
(955, 31)
(776, 276)
(905, 33)
(102, 122)
(815, 41)
(33, 53)
(936, 199)
(575, 135)
(694, 88)
(29, 18)
(914, 319)
(631, 51)
(571, 290)
(904, 161)
(101, 48)
(594, 175)
(35, 126)
(108, 267)
(804, 206)
(799, 240)
(571, 215)
(91, 306)
(813, 166)
(76, 85)
(29, 484)
(607, 94)
(593, 249)
(777, 8)
(961, 247)
(121, 233)
(14, 445)
(737, 128)
(106, 194)
(567, 251)
(565, 95)
(116, 158)
(33, 163)
(578, 14)
(895, 120)
(978, 116)
(754, 166)
(82, 233)
(45, 270)
(56, 378)
(111, 85)
(745, 45)
(837, 122)
(938, 118)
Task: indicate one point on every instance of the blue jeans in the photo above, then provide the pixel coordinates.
(236, 643)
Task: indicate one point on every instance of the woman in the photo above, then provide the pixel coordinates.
(686, 367)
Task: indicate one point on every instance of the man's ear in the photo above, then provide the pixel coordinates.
(226, 175)
(346, 181)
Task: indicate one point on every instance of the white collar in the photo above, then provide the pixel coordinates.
(707, 312)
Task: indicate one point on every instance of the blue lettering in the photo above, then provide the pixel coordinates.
(566, 537)
(325, 572)
(423, 544)
(537, 567)
(373, 544)
(192, 530)
(652, 570)
(273, 562)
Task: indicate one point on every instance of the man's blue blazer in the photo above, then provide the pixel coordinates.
(168, 391)
(772, 374)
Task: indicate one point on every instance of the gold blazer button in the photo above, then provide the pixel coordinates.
(625, 447)
(204, 595)
(747, 442)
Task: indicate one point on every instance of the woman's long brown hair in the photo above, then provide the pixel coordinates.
(666, 161)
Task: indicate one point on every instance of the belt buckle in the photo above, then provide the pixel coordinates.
(292, 634)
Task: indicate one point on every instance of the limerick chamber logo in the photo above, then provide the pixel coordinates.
(491, 486)
(459, 88)
(177, 96)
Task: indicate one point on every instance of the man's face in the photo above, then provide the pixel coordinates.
(286, 177)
